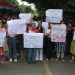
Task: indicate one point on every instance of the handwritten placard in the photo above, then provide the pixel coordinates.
(58, 33)
(16, 26)
(26, 16)
(54, 15)
(33, 40)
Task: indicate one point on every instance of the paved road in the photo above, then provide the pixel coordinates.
(59, 68)
(40, 68)
(22, 68)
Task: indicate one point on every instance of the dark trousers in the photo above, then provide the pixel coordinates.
(49, 48)
(20, 49)
(31, 55)
(68, 46)
(12, 47)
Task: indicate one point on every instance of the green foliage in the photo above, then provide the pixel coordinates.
(13, 1)
(25, 9)
(43, 5)
(22, 8)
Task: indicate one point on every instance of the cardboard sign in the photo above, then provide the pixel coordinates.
(58, 33)
(54, 15)
(33, 40)
(16, 26)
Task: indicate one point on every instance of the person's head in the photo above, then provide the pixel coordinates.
(39, 23)
(2, 24)
(29, 27)
(33, 25)
(70, 25)
(36, 18)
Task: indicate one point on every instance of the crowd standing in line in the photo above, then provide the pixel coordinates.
(51, 49)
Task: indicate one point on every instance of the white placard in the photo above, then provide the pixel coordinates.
(58, 33)
(26, 16)
(33, 40)
(16, 26)
(2, 38)
(54, 15)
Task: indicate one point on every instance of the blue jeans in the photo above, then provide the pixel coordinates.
(12, 47)
(60, 49)
(31, 55)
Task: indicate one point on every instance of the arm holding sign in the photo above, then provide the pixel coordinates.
(48, 32)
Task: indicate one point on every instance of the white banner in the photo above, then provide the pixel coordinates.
(58, 33)
(33, 40)
(16, 26)
(54, 15)
(2, 38)
(26, 16)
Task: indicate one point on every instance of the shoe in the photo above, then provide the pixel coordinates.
(71, 61)
(62, 60)
(57, 59)
(15, 60)
(29, 62)
(52, 59)
(1, 62)
(10, 59)
(47, 59)
(34, 62)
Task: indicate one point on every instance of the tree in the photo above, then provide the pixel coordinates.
(13, 2)
(25, 9)
(43, 5)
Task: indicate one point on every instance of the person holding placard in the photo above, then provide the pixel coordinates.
(60, 45)
(2, 30)
(72, 51)
(12, 42)
(31, 51)
(39, 55)
(48, 43)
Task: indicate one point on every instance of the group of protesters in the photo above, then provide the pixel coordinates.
(15, 44)
(50, 49)
(61, 49)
